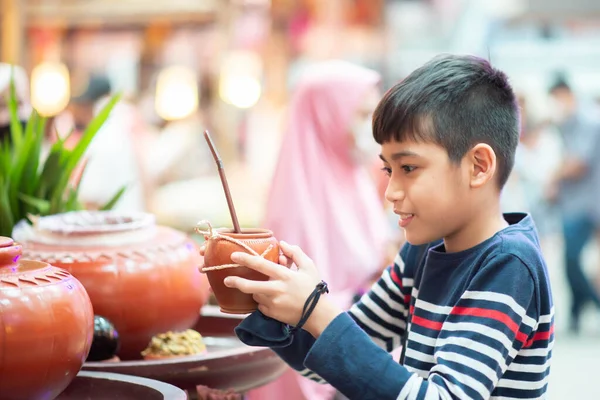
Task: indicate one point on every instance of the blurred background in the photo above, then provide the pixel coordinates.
(230, 66)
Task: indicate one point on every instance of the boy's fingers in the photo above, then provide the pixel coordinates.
(259, 264)
(286, 262)
(295, 254)
(249, 286)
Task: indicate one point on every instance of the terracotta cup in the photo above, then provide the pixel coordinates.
(220, 244)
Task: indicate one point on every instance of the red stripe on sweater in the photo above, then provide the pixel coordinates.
(540, 336)
(492, 314)
(437, 326)
(397, 280)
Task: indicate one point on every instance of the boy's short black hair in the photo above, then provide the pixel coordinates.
(456, 102)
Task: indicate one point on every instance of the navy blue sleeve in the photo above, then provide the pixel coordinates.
(296, 352)
(346, 357)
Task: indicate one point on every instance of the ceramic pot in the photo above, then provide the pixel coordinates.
(46, 326)
(142, 277)
(220, 244)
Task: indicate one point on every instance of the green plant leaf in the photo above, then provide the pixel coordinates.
(34, 136)
(5, 158)
(6, 216)
(72, 203)
(25, 159)
(52, 171)
(41, 206)
(16, 129)
(117, 196)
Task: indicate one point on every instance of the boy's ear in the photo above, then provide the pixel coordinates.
(483, 163)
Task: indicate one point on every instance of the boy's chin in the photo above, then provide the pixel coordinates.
(416, 239)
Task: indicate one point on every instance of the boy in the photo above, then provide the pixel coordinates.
(468, 296)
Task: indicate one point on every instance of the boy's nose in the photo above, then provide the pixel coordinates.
(393, 192)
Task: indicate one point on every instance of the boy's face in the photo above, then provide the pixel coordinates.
(429, 192)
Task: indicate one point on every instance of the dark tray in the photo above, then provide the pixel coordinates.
(228, 364)
(103, 385)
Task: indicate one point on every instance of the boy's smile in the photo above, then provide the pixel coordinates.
(404, 218)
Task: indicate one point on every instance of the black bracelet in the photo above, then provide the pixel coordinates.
(310, 305)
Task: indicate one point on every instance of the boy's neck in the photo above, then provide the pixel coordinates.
(482, 226)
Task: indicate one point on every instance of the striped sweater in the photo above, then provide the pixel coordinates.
(480, 325)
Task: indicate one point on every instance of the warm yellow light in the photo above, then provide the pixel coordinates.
(176, 93)
(50, 88)
(240, 91)
(240, 83)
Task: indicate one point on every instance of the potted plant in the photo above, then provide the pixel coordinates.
(30, 186)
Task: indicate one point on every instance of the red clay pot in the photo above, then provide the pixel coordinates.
(220, 244)
(46, 326)
(144, 278)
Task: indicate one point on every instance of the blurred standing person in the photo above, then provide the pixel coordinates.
(322, 196)
(575, 188)
(538, 158)
(114, 155)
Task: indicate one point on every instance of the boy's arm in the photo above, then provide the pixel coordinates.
(381, 313)
(474, 345)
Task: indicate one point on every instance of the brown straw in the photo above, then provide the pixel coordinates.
(213, 150)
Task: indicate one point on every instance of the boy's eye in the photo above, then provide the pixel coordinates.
(408, 168)
(387, 170)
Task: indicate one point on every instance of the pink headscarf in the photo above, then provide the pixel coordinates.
(321, 199)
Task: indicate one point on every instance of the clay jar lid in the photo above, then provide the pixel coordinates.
(94, 222)
(15, 271)
(89, 229)
(9, 252)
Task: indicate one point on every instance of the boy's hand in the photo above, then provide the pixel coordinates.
(283, 296)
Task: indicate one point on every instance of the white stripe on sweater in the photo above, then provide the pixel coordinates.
(385, 297)
(468, 362)
(523, 385)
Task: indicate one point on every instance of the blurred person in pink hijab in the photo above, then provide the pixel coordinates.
(322, 196)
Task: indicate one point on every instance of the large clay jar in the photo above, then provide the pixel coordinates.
(46, 326)
(142, 277)
(220, 244)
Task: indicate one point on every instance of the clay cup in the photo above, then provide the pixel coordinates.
(220, 244)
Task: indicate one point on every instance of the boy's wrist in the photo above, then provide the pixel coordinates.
(323, 314)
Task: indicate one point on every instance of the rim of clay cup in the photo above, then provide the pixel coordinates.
(247, 233)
